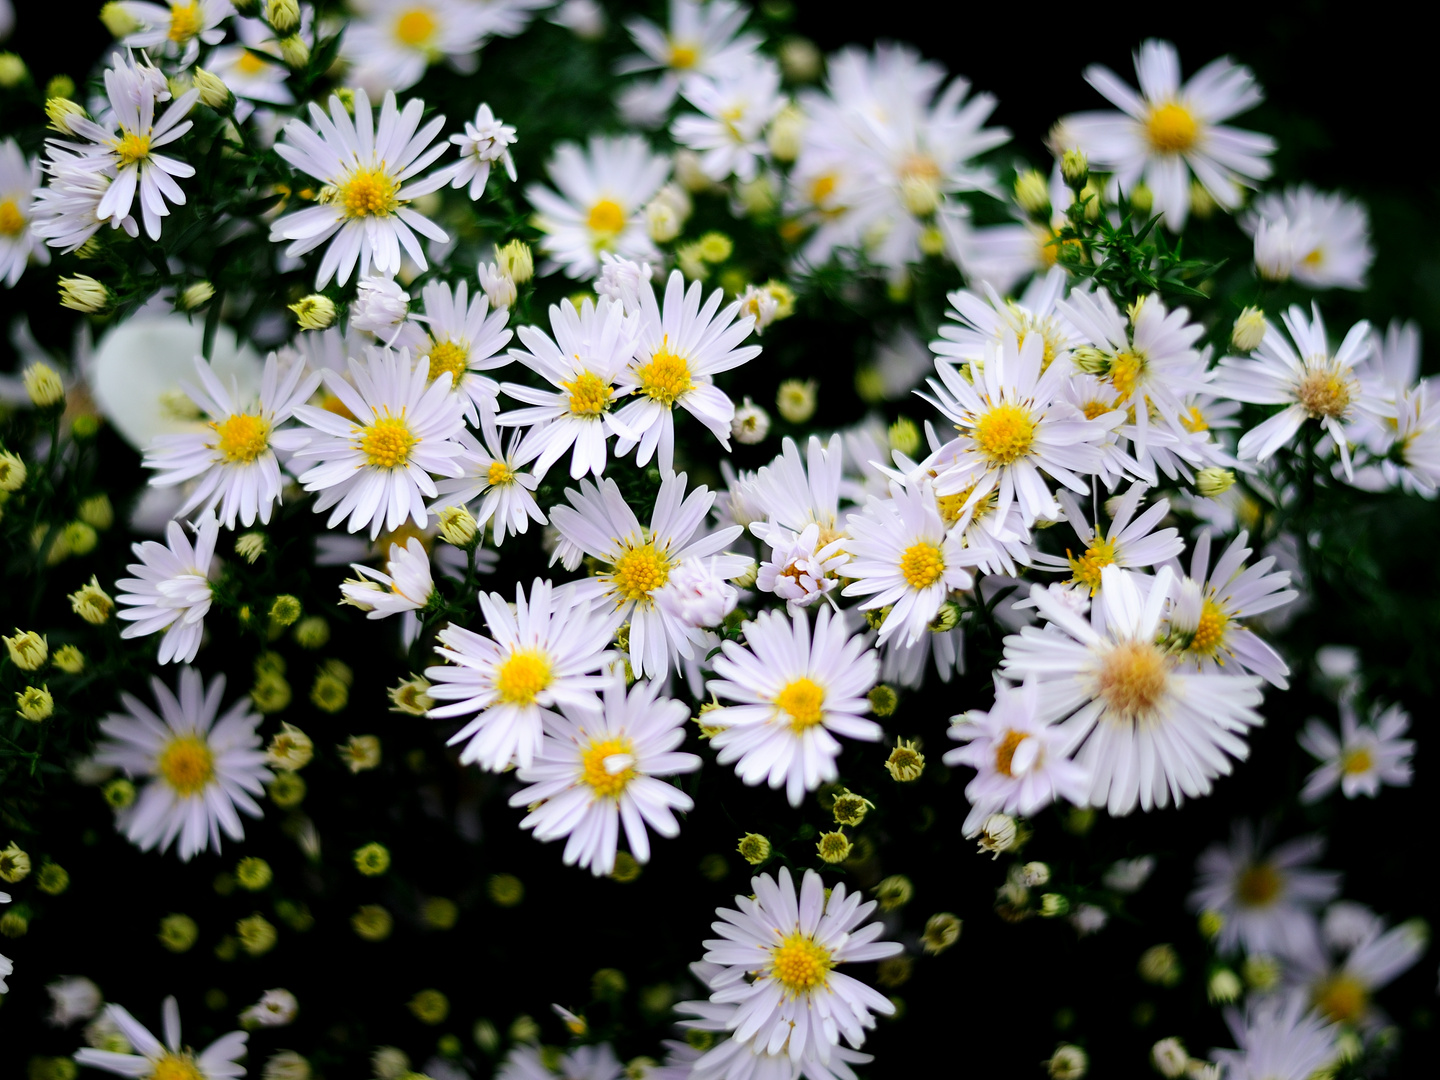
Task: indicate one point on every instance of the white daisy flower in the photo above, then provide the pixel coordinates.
(486, 141)
(800, 569)
(176, 29)
(1277, 1039)
(791, 494)
(780, 953)
(1321, 239)
(504, 18)
(201, 770)
(1169, 131)
(698, 595)
(990, 318)
(218, 1061)
(581, 1063)
(72, 998)
(1013, 428)
(374, 467)
(541, 656)
(1207, 610)
(1342, 991)
(406, 584)
(19, 177)
(65, 212)
(1312, 383)
(1150, 731)
(702, 39)
(171, 589)
(589, 348)
(596, 770)
(736, 106)
(903, 557)
(679, 349)
(636, 562)
(1365, 756)
(125, 145)
(1130, 542)
(392, 42)
(1267, 900)
(600, 207)
(370, 175)
(233, 465)
(795, 691)
(464, 341)
(1413, 463)
(492, 474)
(1018, 757)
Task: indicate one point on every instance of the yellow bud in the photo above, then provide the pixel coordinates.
(43, 384)
(1249, 329)
(283, 15)
(430, 1007)
(118, 20)
(12, 472)
(457, 526)
(83, 293)
(213, 91)
(754, 848)
(34, 703)
(1032, 193)
(60, 86)
(834, 847)
(69, 659)
(294, 51)
(12, 70)
(257, 934)
(410, 697)
(28, 650)
(796, 399)
(372, 860)
(60, 111)
(941, 931)
(196, 295)
(314, 312)
(1212, 482)
(178, 933)
(96, 512)
(372, 922)
(92, 603)
(516, 260)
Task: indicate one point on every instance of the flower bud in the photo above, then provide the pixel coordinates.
(753, 848)
(1032, 193)
(750, 426)
(69, 659)
(998, 833)
(1160, 964)
(1224, 987)
(290, 749)
(283, 15)
(118, 794)
(43, 384)
(12, 472)
(196, 295)
(850, 809)
(285, 610)
(1249, 329)
(1213, 481)
(178, 933)
(1075, 168)
(213, 91)
(439, 913)
(894, 892)
(314, 312)
(505, 890)
(53, 879)
(834, 847)
(60, 111)
(96, 512)
(1069, 1062)
(360, 753)
(516, 260)
(1142, 199)
(796, 399)
(785, 135)
(372, 922)
(12, 70)
(312, 632)
(1053, 905)
(458, 527)
(83, 293)
(28, 650)
(287, 790)
(905, 763)
(35, 704)
(941, 932)
(1169, 1058)
(410, 697)
(257, 935)
(430, 1007)
(294, 51)
(253, 874)
(118, 20)
(1035, 874)
(372, 860)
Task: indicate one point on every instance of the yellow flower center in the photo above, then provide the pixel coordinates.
(499, 473)
(1210, 632)
(169, 1066)
(1342, 998)
(607, 219)
(1132, 680)
(185, 21)
(1125, 372)
(589, 394)
(637, 572)
(387, 442)
(803, 701)
(821, 188)
(250, 64)
(1005, 434)
(242, 438)
(1194, 420)
(1171, 128)
(449, 356)
(1093, 409)
(799, 964)
(922, 565)
(597, 762)
(683, 55)
(665, 377)
(12, 221)
(402, 536)
(369, 192)
(1325, 392)
(522, 677)
(131, 148)
(187, 765)
(1005, 751)
(1259, 885)
(1357, 762)
(1086, 569)
(415, 27)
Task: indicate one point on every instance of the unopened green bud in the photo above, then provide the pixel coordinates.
(43, 384)
(941, 932)
(287, 790)
(430, 1007)
(214, 93)
(457, 526)
(754, 848)
(92, 603)
(506, 890)
(118, 20)
(1032, 193)
(894, 892)
(883, 700)
(257, 934)
(1075, 168)
(83, 293)
(1053, 905)
(53, 879)
(285, 610)
(439, 913)
(312, 632)
(1160, 964)
(178, 933)
(12, 70)
(904, 436)
(283, 15)
(834, 847)
(372, 860)
(12, 472)
(1224, 987)
(96, 512)
(253, 873)
(295, 51)
(516, 261)
(796, 399)
(1212, 481)
(69, 659)
(372, 922)
(1249, 329)
(35, 704)
(14, 924)
(118, 793)
(850, 809)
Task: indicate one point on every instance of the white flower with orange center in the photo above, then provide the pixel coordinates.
(905, 560)
(1130, 541)
(680, 348)
(599, 207)
(176, 29)
(541, 656)
(781, 953)
(1148, 732)
(199, 771)
(1168, 131)
(392, 42)
(494, 475)
(636, 562)
(376, 460)
(370, 175)
(233, 465)
(170, 1060)
(1015, 430)
(171, 589)
(794, 691)
(19, 177)
(990, 318)
(597, 770)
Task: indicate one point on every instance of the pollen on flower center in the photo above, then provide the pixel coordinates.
(1005, 434)
(1259, 885)
(607, 218)
(1194, 420)
(415, 27)
(242, 438)
(1325, 392)
(589, 394)
(131, 148)
(171, 1066)
(1086, 569)
(1125, 372)
(638, 571)
(609, 766)
(369, 192)
(12, 221)
(387, 442)
(187, 765)
(1171, 128)
(185, 21)
(665, 377)
(683, 55)
(449, 356)
(499, 473)
(799, 964)
(802, 701)
(1341, 999)
(250, 64)
(1005, 751)
(1356, 762)
(1132, 680)
(922, 565)
(522, 677)
(1210, 631)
